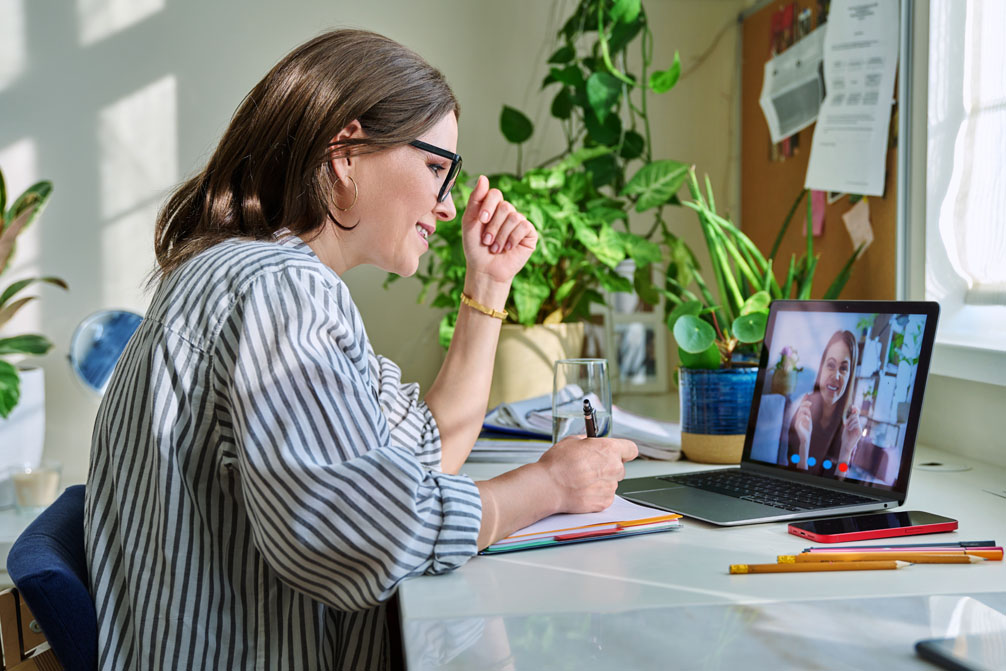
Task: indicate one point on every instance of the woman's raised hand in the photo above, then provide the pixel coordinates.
(498, 240)
(585, 471)
(803, 424)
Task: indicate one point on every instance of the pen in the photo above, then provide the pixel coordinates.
(590, 419)
(818, 566)
(913, 557)
(963, 544)
(995, 554)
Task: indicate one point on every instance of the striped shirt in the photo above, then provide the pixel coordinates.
(260, 480)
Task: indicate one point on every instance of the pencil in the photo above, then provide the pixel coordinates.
(818, 566)
(913, 557)
(994, 555)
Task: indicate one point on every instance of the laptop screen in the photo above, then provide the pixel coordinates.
(839, 389)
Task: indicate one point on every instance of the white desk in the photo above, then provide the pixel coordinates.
(667, 601)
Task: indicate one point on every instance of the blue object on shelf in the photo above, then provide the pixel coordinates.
(716, 402)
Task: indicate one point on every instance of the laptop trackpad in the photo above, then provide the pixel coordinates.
(703, 505)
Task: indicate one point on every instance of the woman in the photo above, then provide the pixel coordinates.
(260, 480)
(826, 427)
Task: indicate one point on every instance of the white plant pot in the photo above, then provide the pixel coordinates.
(22, 433)
(525, 356)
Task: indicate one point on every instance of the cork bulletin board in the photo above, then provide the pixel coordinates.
(771, 178)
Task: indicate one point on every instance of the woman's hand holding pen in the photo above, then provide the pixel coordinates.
(585, 471)
(498, 240)
(852, 431)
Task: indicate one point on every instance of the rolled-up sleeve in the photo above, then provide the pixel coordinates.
(341, 504)
(410, 420)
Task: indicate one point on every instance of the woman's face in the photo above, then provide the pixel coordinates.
(397, 207)
(834, 375)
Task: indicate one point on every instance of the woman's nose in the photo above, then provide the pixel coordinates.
(445, 211)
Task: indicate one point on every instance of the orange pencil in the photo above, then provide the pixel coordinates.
(913, 557)
(818, 566)
(995, 555)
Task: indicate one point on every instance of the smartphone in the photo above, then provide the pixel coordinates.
(872, 525)
(976, 652)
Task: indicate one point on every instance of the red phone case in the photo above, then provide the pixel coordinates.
(937, 528)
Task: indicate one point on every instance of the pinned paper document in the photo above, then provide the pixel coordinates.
(857, 222)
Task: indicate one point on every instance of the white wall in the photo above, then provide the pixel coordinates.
(116, 101)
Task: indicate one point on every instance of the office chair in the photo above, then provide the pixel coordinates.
(48, 568)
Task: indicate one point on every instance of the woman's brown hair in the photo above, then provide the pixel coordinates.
(271, 168)
(849, 340)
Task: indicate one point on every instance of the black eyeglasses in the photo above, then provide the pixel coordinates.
(452, 172)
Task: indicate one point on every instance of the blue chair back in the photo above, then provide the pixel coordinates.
(48, 567)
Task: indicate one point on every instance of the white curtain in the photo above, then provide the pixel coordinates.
(972, 220)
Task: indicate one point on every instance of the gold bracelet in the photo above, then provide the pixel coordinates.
(472, 303)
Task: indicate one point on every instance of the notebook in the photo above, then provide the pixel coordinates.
(873, 359)
(622, 518)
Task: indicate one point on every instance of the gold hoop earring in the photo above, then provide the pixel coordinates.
(356, 194)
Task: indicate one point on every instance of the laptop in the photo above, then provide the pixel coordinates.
(833, 433)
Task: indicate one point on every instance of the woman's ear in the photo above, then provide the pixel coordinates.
(341, 156)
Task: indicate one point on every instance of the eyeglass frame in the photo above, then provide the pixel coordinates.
(452, 172)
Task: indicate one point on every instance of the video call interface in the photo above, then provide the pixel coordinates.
(837, 392)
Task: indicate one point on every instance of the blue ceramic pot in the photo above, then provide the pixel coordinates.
(716, 402)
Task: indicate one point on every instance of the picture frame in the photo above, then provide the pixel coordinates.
(637, 348)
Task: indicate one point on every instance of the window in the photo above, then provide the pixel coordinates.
(965, 267)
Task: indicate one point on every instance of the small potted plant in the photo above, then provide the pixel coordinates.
(784, 373)
(579, 200)
(22, 418)
(719, 341)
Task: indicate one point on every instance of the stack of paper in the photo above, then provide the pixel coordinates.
(532, 418)
(621, 518)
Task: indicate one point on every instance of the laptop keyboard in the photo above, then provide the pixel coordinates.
(791, 496)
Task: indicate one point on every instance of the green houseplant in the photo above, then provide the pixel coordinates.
(580, 199)
(14, 220)
(719, 341)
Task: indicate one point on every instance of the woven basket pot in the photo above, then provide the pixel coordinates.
(715, 405)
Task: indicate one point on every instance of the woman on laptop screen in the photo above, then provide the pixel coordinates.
(826, 426)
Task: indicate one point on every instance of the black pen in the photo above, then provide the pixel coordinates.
(962, 544)
(590, 419)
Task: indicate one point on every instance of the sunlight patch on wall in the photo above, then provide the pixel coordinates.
(99, 19)
(138, 147)
(13, 50)
(19, 162)
(127, 250)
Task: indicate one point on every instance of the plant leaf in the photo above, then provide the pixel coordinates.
(693, 334)
(516, 127)
(3, 199)
(25, 344)
(843, 276)
(641, 250)
(750, 328)
(9, 311)
(707, 359)
(579, 157)
(446, 330)
(563, 54)
(571, 75)
(642, 282)
(10, 388)
(663, 81)
(602, 93)
(625, 11)
(562, 104)
(528, 296)
(656, 183)
(606, 132)
(21, 284)
(633, 145)
(756, 302)
(686, 308)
